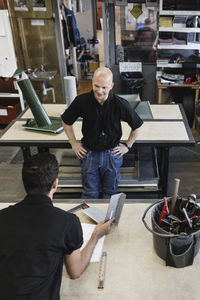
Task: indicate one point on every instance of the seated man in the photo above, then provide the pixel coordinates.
(36, 238)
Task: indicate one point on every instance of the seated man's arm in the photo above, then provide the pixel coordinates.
(77, 147)
(78, 260)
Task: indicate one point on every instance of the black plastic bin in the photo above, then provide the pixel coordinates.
(177, 250)
(132, 83)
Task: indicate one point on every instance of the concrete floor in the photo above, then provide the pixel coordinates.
(11, 187)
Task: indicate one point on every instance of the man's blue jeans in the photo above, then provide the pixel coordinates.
(100, 169)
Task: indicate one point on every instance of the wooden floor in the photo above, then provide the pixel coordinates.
(84, 86)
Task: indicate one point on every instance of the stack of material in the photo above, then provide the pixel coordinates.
(166, 21)
(179, 21)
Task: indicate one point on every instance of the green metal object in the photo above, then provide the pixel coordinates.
(41, 121)
(55, 127)
(40, 115)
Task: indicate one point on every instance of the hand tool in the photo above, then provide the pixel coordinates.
(174, 218)
(187, 217)
(171, 224)
(192, 218)
(191, 205)
(174, 194)
(165, 211)
(80, 206)
(196, 223)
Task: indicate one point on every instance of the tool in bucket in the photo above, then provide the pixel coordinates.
(176, 236)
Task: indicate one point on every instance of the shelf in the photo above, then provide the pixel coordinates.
(9, 95)
(174, 28)
(191, 46)
(163, 86)
(181, 29)
(179, 13)
(15, 95)
(172, 65)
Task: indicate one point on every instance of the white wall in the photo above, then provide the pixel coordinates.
(7, 53)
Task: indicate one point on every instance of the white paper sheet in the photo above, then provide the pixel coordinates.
(87, 232)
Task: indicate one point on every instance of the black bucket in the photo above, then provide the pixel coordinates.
(178, 250)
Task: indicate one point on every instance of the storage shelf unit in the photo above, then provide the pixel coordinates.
(194, 45)
(11, 105)
(176, 44)
(180, 12)
(18, 94)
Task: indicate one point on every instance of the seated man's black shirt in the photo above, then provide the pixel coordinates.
(101, 126)
(35, 236)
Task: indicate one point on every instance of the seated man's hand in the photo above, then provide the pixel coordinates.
(102, 228)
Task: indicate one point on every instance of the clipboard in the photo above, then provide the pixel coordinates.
(114, 210)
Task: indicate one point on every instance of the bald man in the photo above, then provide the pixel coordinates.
(100, 150)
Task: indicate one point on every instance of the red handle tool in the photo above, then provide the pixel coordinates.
(165, 211)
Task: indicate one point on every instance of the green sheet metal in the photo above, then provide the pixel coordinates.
(55, 127)
(41, 121)
(40, 115)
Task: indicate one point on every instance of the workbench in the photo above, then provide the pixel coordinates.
(183, 85)
(162, 87)
(133, 269)
(168, 128)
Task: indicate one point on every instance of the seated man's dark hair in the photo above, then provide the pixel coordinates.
(39, 173)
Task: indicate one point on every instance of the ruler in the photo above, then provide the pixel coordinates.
(102, 270)
(80, 206)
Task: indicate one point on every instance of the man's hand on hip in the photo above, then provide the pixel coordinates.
(120, 150)
(78, 149)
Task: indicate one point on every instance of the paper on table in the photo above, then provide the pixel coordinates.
(87, 232)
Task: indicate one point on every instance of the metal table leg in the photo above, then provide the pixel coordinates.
(163, 160)
(26, 152)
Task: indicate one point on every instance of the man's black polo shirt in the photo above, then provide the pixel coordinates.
(101, 126)
(34, 237)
